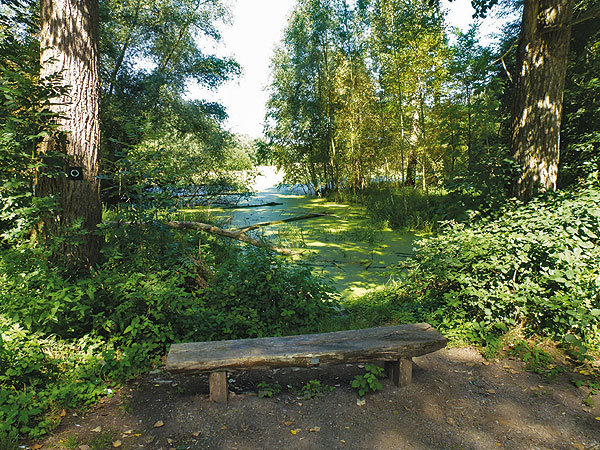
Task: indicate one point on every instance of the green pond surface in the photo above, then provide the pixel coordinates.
(344, 245)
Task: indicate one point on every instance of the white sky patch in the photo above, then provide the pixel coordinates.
(256, 30)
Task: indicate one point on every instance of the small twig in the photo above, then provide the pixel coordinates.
(504, 55)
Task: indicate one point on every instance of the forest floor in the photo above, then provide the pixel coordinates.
(457, 400)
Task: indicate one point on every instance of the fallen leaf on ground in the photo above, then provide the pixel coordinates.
(63, 413)
(169, 441)
(315, 429)
(295, 431)
(159, 424)
(288, 423)
(36, 446)
(117, 444)
(97, 429)
(224, 427)
(491, 391)
(360, 401)
(196, 433)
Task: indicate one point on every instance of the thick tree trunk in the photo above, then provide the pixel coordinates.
(69, 42)
(542, 58)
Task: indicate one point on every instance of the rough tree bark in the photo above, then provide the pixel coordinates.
(542, 57)
(69, 42)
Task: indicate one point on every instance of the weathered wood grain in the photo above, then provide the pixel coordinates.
(352, 346)
(219, 391)
(404, 372)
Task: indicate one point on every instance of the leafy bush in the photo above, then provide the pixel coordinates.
(109, 325)
(536, 266)
(255, 294)
(368, 382)
(536, 359)
(314, 389)
(268, 390)
(41, 374)
(152, 289)
(382, 306)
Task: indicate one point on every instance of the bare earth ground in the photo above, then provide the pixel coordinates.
(456, 401)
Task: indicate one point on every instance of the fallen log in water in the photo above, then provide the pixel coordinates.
(239, 235)
(275, 222)
(253, 206)
(207, 228)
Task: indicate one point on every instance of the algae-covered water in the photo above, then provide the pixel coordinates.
(345, 244)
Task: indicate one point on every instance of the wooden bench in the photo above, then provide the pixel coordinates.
(395, 345)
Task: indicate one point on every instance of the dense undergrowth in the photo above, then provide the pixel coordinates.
(533, 267)
(472, 194)
(66, 339)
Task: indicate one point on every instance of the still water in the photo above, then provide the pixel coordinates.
(345, 245)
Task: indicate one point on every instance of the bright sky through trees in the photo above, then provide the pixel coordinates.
(257, 27)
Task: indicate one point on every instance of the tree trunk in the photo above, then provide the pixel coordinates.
(411, 170)
(69, 42)
(542, 58)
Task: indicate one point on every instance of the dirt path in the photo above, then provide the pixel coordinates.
(456, 401)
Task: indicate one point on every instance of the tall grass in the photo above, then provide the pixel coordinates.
(406, 207)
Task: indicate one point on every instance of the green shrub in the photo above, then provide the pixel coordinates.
(40, 374)
(255, 293)
(95, 329)
(268, 390)
(314, 389)
(383, 306)
(368, 382)
(536, 266)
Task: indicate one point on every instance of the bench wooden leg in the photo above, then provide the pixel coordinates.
(217, 382)
(400, 371)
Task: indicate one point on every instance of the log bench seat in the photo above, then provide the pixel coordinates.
(395, 345)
